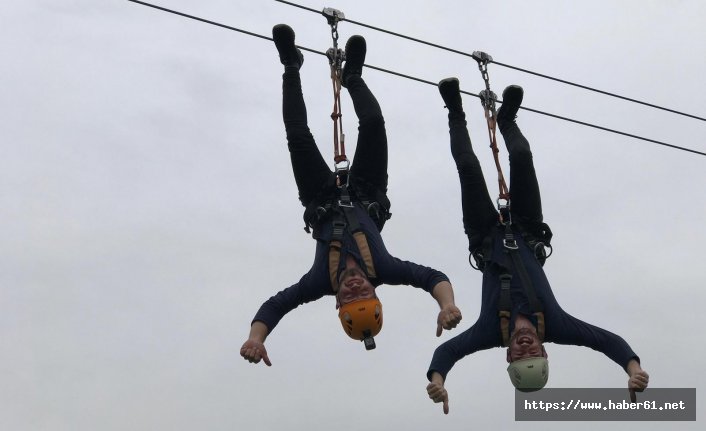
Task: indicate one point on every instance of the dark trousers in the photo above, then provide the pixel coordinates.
(479, 210)
(368, 171)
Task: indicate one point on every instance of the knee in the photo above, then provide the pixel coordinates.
(462, 165)
(521, 155)
(372, 120)
(466, 163)
(298, 131)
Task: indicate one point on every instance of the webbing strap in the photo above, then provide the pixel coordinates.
(334, 258)
(517, 267)
(521, 271)
(505, 327)
(504, 306)
(344, 220)
(540, 325)
(364, 249)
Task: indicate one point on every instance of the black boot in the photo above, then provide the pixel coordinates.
(450, 92)
(355, 57)
(512, 99)
(289, 54)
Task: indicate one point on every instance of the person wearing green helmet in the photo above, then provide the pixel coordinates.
(518, 309)
(346, 217)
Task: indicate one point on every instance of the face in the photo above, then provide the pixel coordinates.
(524, 344)
(354, 285)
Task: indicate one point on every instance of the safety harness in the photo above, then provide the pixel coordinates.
(340, 203)
(538, 241)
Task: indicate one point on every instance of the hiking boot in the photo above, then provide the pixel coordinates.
(355, 57)
(289, 55)
(512, 99)
(450, 92)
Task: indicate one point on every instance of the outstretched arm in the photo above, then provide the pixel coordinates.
(570, 330)
(437, 392)
(394, 271)
(449, 315)
(253, 349)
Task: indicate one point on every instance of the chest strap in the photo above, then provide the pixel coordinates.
(345, 220)
(517, 267)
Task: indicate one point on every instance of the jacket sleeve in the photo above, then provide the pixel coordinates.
(571, 330)
(394, 271)
(312, 286)
(483, 335)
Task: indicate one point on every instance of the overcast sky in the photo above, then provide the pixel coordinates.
(148, 209)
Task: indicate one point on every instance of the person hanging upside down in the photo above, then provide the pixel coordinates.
(351, 260)
(518, 309)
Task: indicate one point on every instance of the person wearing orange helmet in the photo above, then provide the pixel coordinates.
(346, 216)
(518, 310)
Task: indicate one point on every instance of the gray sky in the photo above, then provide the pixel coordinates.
(148, 209)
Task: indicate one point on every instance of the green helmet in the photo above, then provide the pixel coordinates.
(529, 374)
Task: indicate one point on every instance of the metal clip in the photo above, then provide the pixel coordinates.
(503, 206)
(336, 57)
(333, 16)
(482, 57)
(509, 241)
(341, 171)
(488, 99)
(345, 204)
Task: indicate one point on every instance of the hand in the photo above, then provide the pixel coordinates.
(438, 394)
(449, 317)
(638, 381)
(253, 351)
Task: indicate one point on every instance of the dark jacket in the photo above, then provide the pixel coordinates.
(316, 283)
(560, 327)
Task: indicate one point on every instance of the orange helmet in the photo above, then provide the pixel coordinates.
(362, 320)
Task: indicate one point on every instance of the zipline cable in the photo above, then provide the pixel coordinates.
(424, 81)
(455, 51)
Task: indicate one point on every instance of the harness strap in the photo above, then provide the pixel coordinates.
(364, 249)
(516, 266)
(504, 306)
(521, 271)
(505, 327)
(334, 258)
(344, 220)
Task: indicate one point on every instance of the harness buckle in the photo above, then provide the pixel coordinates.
(341, 168)
(504, 210)
(338, 228)
(510, 243)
